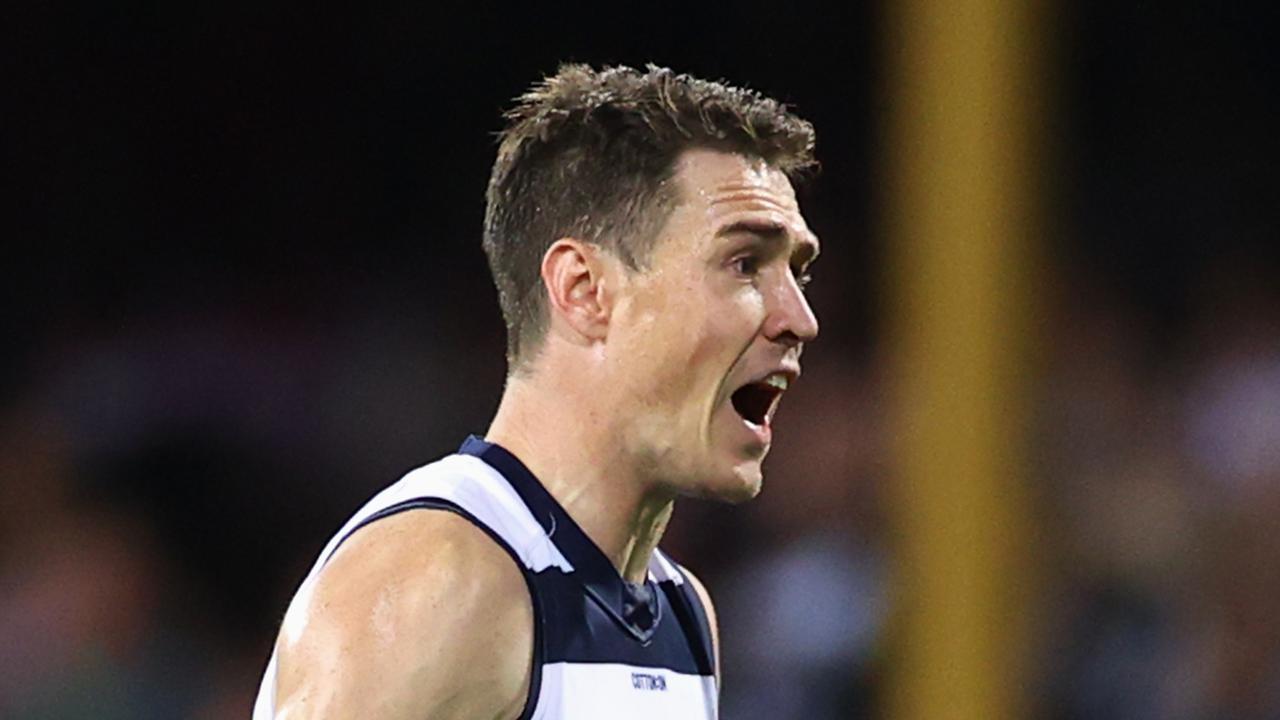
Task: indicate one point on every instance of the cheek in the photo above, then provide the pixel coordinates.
(727, 325)
(684, 338)
(707, 346)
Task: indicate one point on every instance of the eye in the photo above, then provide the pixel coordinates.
(803, 277)
(747, 265)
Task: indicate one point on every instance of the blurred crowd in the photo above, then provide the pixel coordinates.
(1160, 464)
(166, 484)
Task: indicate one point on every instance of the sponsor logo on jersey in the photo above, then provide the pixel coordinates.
(645, 681)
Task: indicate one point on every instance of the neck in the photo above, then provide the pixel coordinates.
(585, 470)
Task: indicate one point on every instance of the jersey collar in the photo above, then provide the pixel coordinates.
(634, 606)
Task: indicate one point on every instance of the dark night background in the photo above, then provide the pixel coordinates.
(243, 289)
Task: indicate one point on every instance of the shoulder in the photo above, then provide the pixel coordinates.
(417, 614)
(705, 598)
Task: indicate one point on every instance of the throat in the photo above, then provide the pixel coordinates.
(643, 536)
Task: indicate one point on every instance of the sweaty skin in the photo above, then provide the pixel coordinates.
(393, 631)
(421, 615)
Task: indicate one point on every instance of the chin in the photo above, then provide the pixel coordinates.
(738, 485)
(741, 494)
(726, 474)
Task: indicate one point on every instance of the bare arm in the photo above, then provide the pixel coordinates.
(420, 615)
(705, 597)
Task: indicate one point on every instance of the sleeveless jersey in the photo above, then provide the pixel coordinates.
(603, 647)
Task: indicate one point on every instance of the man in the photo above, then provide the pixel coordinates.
(650, 259)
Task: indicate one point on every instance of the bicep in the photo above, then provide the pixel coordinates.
(419, 615)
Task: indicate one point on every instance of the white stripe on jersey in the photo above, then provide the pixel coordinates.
(608, 691)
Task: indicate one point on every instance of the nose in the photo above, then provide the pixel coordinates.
(791, 320)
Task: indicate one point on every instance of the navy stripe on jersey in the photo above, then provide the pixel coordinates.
(585, 633)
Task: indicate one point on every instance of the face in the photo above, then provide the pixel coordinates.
(705, 339)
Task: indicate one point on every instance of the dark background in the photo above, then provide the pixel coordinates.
(243, 289)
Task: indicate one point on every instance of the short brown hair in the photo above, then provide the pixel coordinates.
(586, 154)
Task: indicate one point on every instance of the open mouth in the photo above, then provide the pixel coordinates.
(756, 402)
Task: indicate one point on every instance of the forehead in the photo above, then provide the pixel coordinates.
(720, 188)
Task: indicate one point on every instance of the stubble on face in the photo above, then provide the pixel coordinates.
(690, 331)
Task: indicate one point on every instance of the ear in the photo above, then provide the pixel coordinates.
(579, 293)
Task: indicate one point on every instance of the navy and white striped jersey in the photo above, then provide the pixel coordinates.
(603, 647)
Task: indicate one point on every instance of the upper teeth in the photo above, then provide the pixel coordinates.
(777, 380)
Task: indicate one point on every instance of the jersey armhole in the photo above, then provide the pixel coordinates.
(694, 619)
(430, 503)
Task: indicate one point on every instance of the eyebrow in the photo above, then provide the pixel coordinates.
(772, 233)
